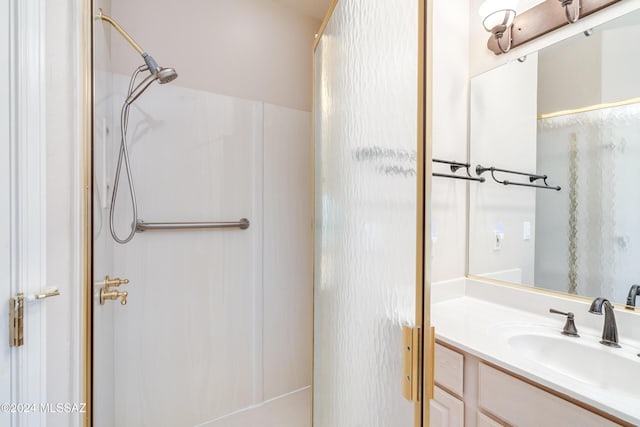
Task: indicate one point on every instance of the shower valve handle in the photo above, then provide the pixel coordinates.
(113, 295)
(115, 282)
(123, 300)
(109, 291)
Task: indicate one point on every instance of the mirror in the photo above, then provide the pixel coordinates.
(570, 112)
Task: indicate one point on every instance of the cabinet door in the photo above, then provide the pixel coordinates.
(449, 371)
(483, 421)
(446, 410)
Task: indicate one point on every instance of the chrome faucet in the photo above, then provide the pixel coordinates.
(633, 292)
(610, 330)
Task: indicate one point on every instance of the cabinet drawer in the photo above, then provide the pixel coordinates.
(519, 403)
(449, 369)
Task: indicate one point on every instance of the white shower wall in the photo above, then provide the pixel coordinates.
(217, 322)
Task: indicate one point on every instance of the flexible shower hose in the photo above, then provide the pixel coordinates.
(123, 156)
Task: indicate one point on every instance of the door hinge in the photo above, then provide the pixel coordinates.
(411, 375)
(16, 314)
(16, 321)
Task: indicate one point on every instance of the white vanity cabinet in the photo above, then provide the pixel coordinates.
(446, 409)
(471, 393)
(447, 406)
(522, 404)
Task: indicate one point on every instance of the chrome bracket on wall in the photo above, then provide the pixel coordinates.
(411, 375)
(16, 314)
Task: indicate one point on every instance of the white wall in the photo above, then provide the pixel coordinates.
(503, 135)
(599, 67)
(286, 251)
(570, 74)
(620, 70)
(450, 100)
(253, 49)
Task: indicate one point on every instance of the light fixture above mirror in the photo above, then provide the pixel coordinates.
(497, 18)
(572, 17)
(500, 18)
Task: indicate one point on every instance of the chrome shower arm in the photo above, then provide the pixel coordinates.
(148, 59)
(121, 30)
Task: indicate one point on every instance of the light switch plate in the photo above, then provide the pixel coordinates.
(526, 230)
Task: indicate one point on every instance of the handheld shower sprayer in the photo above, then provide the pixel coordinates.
(162, 75)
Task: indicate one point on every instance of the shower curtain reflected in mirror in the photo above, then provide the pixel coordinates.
(591, 243)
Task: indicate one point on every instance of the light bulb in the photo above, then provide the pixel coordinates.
(497, 12)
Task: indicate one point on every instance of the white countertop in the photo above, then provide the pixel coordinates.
(477, 326)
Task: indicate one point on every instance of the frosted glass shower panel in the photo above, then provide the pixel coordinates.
(366, 74)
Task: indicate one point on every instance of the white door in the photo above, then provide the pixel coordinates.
(5, 213)
(40, 227)
(22, 215)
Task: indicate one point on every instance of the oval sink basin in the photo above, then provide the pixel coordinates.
(583, 359)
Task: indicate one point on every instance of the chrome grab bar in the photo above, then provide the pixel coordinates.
(141, 226)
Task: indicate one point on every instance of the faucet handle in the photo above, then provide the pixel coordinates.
(569, 329)
(634, 291)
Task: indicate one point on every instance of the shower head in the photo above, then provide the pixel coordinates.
(165, 75)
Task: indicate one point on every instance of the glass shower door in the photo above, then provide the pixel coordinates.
(368, 211)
